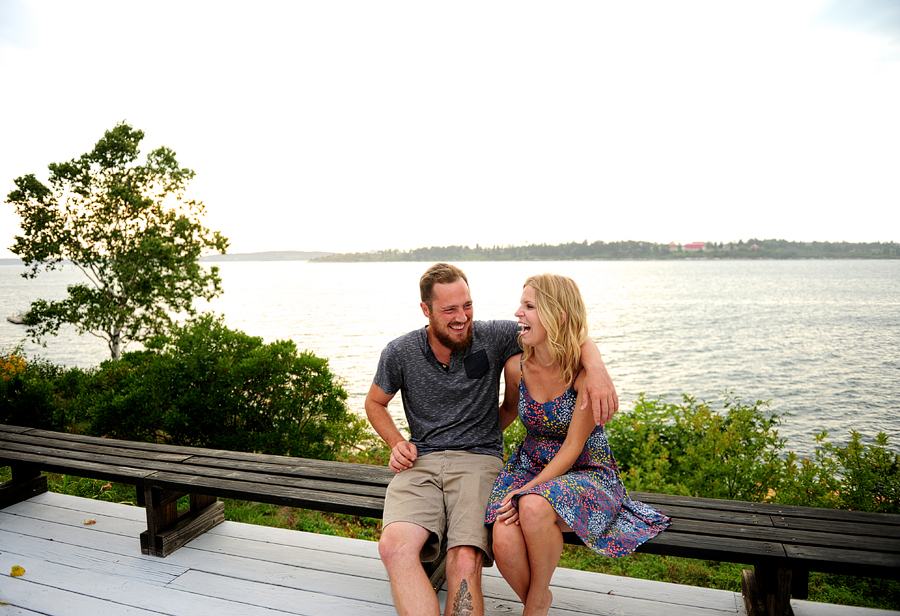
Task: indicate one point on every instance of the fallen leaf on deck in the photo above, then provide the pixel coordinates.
(90, 521)
(17, 571)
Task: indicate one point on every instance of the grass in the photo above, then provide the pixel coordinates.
(825, 588)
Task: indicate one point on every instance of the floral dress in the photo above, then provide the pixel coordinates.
(590, 497)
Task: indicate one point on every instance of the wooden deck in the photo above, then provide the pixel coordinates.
(239, 569)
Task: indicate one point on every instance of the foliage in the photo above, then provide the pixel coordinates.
(512, 436)
(129, 228)
(736, 454)
(37, 393)
(690, 449)
(855, 476)
(209, 386)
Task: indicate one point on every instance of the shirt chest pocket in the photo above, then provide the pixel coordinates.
(476, 364)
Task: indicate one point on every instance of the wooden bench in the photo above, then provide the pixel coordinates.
(782, 543)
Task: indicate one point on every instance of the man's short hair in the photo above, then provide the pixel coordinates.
(439, 273)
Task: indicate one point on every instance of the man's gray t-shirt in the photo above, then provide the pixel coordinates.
(453, 408)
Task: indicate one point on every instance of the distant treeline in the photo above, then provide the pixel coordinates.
(751, 249)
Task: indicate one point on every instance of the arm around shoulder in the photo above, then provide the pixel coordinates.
(601, 393)
(509, 408)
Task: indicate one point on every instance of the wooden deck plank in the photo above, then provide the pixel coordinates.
(270, 579)
(119, 595)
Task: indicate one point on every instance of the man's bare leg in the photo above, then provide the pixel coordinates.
(464, 596)
(399, 548)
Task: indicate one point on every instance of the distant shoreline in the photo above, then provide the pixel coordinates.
(752, 249)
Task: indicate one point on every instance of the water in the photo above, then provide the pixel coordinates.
(818, 338)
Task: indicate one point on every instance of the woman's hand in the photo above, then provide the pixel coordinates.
(507, 512)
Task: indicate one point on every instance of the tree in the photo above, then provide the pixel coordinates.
(129, 228)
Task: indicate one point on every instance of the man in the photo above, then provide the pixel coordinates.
(448, 374)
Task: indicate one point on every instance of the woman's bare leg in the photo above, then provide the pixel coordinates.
(544, 544)
(511, 556)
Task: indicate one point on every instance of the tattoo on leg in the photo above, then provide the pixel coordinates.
(462, 603)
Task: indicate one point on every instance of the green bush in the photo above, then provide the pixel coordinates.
(736, 454)
(691, 450)
(854, 476)
(209, 386)
(36, 393)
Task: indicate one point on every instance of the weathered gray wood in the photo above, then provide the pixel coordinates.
(266, 573)
(188, 526)
(716, 515)
(786, 535)
(760, 534)
(30, 442)
(848, 562)
(661, 500)
(837, 526)
(274, 494)
(86, 468)
(707, 547)
(754, 605)
(16, 490)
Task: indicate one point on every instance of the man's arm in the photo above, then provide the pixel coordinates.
(403, 453)
(601, 393)
(509, 408)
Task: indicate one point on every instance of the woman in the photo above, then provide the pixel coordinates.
(563, 476)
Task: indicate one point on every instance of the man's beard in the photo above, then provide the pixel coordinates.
(453, 344)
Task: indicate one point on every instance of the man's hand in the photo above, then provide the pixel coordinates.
(601, 395)
(403, 454)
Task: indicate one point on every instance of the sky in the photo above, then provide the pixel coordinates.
(351, 126)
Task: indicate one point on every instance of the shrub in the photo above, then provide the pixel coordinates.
(854, 476)
(36, 393)
(209, 386)
(692, 450)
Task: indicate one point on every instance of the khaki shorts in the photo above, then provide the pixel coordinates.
(445, 490)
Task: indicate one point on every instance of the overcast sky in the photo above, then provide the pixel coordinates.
(354, 126)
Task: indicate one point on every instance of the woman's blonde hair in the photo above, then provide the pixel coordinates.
(561, 310)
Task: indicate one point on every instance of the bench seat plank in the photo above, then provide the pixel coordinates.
(22, 441)
(787, 511)
(332, 502)
(68, 466)
(336, 471)
(837, 526)
(261, 473)
(728, 517)
(846, 562)
(785, 535)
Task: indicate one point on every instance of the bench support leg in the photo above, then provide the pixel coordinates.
(767, 591)
(27, 481)
(167, 529)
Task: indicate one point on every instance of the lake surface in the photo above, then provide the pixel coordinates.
(821, 339)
